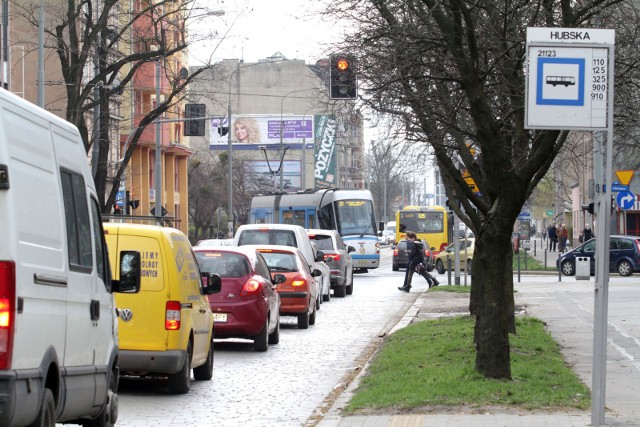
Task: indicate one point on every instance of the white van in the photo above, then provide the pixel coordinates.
(58, 324)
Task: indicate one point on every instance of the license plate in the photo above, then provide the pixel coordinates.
(362, 262)
(220, 317)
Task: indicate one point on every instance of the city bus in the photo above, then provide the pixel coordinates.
(350, 212)
(431, 223)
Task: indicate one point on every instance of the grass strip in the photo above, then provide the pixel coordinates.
(432, 363)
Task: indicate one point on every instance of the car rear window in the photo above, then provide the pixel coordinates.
(267, 237)
(280, 261)
(323, 242)
(224, 264)
(402, 245)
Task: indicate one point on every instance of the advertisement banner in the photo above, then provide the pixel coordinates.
(325, 148)
(266, 174)
(250, 131)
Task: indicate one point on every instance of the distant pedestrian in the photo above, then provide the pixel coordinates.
(563, 237)
(416, 258)
(587, 233)
(553, 237)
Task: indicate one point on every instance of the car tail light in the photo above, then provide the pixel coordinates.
(396, 252)
(250, 287)
(638, 244)
(7, 309)
(443, 246)
(172, 316)
(298, 281)
(427, 253)
(336, 257)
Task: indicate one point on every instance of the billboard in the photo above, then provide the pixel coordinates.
(266, 174)
(325, 147)
(250, 131)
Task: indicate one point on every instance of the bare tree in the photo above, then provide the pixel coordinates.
(453, 70)
(102, 48)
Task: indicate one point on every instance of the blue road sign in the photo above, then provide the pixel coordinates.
(560, 81)
(619, 187)
(625, 200)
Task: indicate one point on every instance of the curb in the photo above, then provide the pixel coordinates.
(333, 417)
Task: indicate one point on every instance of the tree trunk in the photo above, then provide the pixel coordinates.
(493, 289)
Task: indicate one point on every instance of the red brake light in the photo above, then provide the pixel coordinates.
(251, 286)
(443, 246)
(395, 252)
(427, 253)
(172, 316)
(298, 281)
(335, 257)
(7, 301)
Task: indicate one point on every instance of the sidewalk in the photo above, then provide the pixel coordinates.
(434, 305)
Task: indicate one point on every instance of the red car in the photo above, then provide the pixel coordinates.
(248, 305)
(299, 292)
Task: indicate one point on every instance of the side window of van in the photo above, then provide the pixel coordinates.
(77, 220)
(101, 245)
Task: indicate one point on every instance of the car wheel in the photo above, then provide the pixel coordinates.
(349, 288)
(440, 267)
(261, 341)
(47, 413)
(624, 268)
(303, 320)
(394, 267)
(568, 268)
(205, 372)
(274, 337)
(327, 296)
(469, 262)
(312, 317)
(430, 267)
(180, 382)
(340, 291)
(109, 414)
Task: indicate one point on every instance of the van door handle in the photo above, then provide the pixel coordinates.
(94, 308)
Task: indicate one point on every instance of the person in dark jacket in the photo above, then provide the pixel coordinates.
(416, 259)
(553, 237)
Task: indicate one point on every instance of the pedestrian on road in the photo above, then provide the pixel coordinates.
(553, 237)
(587, 233)
(415, 251)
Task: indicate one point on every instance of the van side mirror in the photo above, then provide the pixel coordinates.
(129, 273)
(211, 283)
(316, 273)
(350, 249)
(319, 256)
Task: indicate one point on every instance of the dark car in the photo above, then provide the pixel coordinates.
(401, 255)
(248, 306)
(338, 258)
(624, 256)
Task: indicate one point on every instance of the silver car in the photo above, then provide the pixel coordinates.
(337, 255)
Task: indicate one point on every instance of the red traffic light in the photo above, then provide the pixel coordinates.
(342, 64)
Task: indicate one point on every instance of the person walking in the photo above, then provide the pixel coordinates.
(587, 233)
(416, 258)
(553, 237)
(563, 237)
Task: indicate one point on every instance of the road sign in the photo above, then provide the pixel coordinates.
(470, 181)
(619, 187)
(524, 215)
(567, 85)
(549, 213)
(625, 200)
(624, 177)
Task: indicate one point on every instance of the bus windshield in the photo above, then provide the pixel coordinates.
(355, 217)
(422, 222)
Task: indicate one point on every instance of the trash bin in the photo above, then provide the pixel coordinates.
(583, 269)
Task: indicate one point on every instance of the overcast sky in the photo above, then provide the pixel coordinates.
(257, 29)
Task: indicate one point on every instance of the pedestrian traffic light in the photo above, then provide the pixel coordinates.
(342, 77)
(192, 126)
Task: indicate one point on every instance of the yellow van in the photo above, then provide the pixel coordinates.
(167, 328)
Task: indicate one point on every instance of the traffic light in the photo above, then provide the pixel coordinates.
(342, 76)
(194, 127)
(589, 208)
